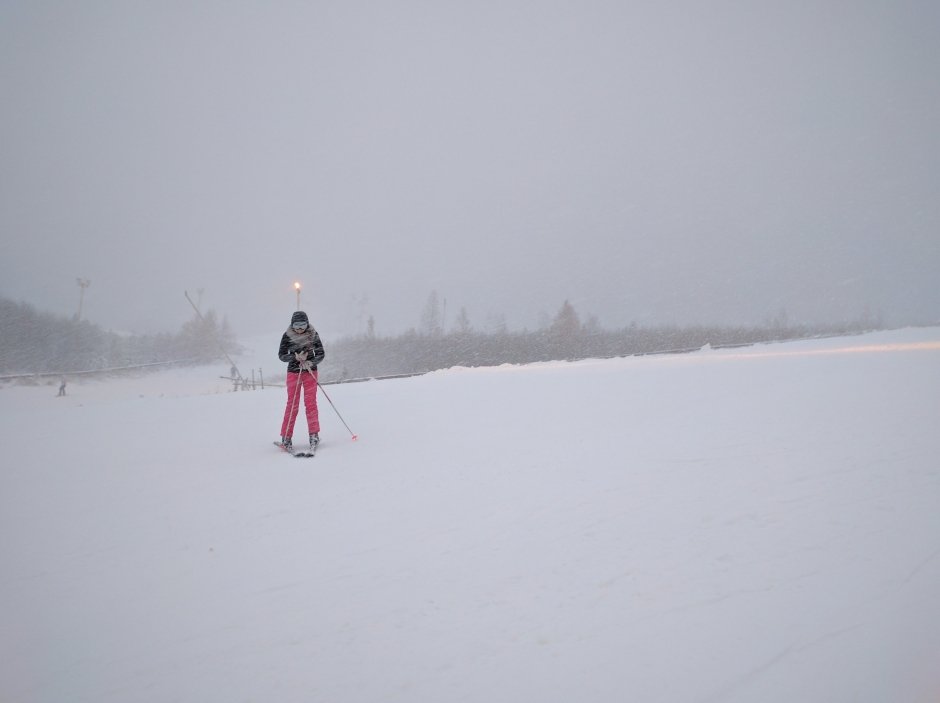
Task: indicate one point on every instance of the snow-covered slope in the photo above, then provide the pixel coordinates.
(759, 524)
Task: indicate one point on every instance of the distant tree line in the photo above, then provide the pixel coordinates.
(565, 338)
(32, 341)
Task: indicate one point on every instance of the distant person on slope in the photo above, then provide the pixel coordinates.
(302, 350)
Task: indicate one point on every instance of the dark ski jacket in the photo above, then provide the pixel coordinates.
(293, 342)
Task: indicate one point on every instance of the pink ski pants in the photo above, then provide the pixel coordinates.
(308, 380)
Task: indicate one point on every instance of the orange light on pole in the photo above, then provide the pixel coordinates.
(297, 288)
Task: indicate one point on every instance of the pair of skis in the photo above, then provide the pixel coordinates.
(299, 453)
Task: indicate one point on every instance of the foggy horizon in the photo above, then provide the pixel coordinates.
(650, 163)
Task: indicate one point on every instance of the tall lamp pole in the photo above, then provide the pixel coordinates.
(297, 288)
(83, 283)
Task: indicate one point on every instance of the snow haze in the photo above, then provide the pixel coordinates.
(729, 526)
(652, 162)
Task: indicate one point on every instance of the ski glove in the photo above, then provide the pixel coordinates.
(306, 365)
(301, 356)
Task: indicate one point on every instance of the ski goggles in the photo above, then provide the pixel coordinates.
(299, 326)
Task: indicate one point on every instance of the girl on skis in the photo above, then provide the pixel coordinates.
(302, 350)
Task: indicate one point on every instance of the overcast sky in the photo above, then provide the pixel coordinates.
(656, 162)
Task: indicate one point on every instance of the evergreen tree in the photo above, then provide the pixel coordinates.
(463, 322)
(431, 317)
(567, 324)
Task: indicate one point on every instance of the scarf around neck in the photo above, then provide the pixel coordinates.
(301, 339)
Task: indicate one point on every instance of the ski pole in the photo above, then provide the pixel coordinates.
(353, 435)
(295, 403)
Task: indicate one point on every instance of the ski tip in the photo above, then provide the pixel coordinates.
(355, 437)
(285, 449)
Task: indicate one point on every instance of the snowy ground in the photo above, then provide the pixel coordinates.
(760, 524)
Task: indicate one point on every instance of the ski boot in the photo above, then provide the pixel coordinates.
(287, 444)
(314, 440)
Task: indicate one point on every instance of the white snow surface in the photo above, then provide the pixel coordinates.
(757, 524)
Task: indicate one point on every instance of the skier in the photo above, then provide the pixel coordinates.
(302, 350)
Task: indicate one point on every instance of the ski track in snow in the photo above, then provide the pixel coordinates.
(728, 525)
